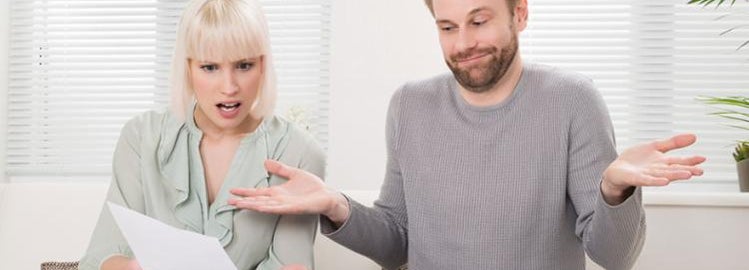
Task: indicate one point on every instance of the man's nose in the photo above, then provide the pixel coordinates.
(466, 41)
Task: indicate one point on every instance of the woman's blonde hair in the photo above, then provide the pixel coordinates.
(221, 30)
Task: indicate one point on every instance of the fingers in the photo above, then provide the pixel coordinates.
(647, 180)
(693, 170)
(683, 164)
(656, 176)
(250, 192)
(690, 161)
(660, 176)
(670, 174)
(294, 267)
(280, 169)
(264, 204)
(253, 201)
(664, 175)
(252, 197)
(675, 142)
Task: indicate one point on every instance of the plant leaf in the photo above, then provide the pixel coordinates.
(733, 118)
(708, 2)
(730, 101)
(739, 115)
(739, 127)
(743, 45)
(733, 29)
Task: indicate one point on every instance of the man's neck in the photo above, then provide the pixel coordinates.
(501, 91)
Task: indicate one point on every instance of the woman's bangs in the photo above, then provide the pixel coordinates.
(223, 38)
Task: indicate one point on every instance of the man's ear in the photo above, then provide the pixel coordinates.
(521, 15)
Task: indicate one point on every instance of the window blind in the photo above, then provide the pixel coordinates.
(79, 69)
(651, 60)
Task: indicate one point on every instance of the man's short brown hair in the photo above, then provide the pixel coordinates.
(510, 4)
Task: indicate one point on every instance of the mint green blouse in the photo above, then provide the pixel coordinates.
(157, 171)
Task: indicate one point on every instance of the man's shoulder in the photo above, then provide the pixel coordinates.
(550, 80)
(434, 87)
(440, 81)
(552, 75)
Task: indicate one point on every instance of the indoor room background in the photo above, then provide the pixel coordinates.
(70, 77)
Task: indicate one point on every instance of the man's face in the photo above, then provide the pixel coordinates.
(479, 40)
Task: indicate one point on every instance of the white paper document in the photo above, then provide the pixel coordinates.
(158, 246)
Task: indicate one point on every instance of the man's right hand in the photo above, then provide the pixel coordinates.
(294, 267)
(119, 262)
(303, 193)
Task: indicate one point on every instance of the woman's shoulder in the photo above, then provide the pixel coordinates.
(281, 127)
(150, 124)
(289, 135)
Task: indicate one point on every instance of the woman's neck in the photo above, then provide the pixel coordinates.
(214, 132)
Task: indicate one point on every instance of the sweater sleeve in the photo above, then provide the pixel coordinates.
(611, 235)
(379, 232)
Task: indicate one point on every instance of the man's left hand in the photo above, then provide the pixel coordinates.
(648, 165)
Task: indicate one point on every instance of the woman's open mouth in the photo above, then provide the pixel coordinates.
(228, 109)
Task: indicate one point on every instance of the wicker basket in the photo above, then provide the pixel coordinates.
(60, 266)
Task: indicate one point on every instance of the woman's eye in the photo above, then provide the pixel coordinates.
(245, 66)
(209, 68)
(478, 23)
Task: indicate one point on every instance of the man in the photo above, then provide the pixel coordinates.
(499, 165)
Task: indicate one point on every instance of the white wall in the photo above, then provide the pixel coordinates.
(695, 237)
(375, 48)
(4, 46)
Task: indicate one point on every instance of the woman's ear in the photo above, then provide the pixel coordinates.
(261, 63)
(188, 81)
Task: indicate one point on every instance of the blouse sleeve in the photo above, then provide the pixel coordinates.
(125, 189)
(294, 236)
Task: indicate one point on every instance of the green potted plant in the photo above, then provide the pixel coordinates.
(735, 108)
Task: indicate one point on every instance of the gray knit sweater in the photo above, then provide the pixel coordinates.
(511, 186)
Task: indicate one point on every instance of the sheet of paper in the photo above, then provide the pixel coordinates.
(158, 246)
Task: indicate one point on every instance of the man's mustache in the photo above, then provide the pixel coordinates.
(471, 54)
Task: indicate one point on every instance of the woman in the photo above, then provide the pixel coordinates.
(178, 166)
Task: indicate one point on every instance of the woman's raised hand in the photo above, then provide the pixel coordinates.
(303, 193)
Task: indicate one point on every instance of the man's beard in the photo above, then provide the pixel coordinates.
(488, 74)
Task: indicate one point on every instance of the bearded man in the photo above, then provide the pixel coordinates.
(500, 165)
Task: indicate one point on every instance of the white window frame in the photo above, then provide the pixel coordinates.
(304, 99)
(638, 39)
(4, 52)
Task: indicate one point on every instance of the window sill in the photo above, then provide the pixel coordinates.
(653, 196)
(696, 198)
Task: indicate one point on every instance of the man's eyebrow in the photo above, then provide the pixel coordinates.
(477, 10)
(471, 13)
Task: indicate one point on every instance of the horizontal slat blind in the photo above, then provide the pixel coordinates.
(79, 69)
(650, 60)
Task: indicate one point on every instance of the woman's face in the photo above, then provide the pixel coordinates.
(225, 92)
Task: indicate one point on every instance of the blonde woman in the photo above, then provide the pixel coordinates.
(178, 166)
